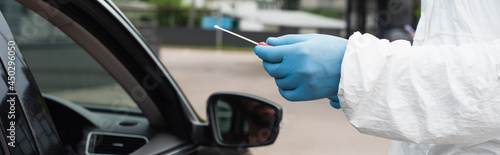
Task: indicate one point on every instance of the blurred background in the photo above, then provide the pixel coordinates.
(204, 61)
(190, 22)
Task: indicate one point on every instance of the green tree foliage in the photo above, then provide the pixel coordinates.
(333, 13)
(172, 13)
(416, 5)
(166, 3)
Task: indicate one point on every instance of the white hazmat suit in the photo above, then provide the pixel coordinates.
(441, 95)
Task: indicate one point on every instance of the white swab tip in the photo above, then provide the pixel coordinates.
(216, 26)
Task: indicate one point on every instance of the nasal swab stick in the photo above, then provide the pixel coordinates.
(217, 27)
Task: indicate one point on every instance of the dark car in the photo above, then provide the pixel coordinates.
(79, 79)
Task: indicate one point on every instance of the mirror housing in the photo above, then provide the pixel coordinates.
(243, 120)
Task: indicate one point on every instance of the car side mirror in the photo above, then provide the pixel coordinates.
(241, 120)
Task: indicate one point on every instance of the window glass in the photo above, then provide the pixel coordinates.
(61, 67)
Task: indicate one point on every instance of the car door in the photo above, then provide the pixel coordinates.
(75, 46)
(27, 127)
(99, 29)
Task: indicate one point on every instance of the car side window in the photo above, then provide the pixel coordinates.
(60, 66)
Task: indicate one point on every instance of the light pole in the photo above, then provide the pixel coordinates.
(192, 13)
(218, 34)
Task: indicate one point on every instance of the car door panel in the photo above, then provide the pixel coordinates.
(167, 120)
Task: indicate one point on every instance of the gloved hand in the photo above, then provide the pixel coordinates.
(306, 66)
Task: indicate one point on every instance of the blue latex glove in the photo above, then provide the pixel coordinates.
(334, 102)
(306, 67)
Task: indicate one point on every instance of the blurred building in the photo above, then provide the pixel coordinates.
(323, 4)
(268, 16)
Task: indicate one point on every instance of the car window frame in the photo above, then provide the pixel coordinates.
(102, 20)
(31, 118)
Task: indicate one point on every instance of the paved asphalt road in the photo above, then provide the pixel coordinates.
(309, 127)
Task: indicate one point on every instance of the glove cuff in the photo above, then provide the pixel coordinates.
(334, 102)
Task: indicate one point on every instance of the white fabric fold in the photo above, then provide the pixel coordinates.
(442, 93)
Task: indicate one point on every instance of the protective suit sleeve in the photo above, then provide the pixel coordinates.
(423, 94)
